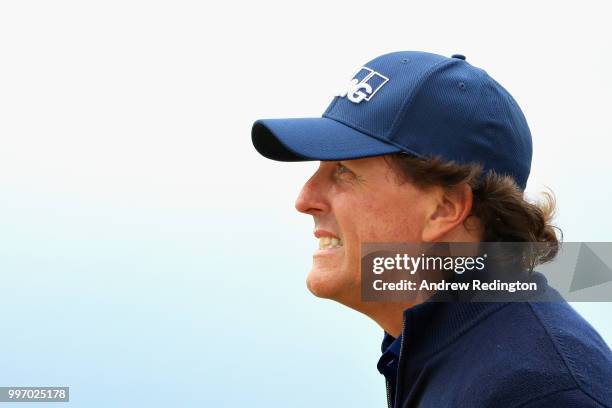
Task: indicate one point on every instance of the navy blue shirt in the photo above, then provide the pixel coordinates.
(516, 354)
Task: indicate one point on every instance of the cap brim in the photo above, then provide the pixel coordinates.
(302, 139)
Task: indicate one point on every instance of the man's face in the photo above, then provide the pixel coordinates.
(352, 202)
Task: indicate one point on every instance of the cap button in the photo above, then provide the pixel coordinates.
(458, 56)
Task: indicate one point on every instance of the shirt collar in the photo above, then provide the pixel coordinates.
(388, 362)
(391, 344)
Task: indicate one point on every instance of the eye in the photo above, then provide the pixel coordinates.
(341, 168)
(343, 174)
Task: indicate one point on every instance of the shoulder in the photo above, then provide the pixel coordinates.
(585, 354)
(544, 352)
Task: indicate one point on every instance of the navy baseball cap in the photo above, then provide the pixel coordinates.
(421, 103)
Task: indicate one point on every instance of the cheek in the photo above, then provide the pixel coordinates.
(390, 224)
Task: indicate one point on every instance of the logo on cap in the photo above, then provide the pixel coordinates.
(365, 83)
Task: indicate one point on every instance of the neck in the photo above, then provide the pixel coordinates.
(389, 316)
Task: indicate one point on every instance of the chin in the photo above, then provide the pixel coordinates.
(324, 283)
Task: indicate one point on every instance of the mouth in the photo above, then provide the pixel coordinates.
(330, 243)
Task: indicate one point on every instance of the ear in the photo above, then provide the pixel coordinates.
(449, 210)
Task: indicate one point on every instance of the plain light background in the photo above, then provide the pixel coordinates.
(149, 256)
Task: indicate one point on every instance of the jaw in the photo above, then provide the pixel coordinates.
(335, 275)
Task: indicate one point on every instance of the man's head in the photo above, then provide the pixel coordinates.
(418, 148)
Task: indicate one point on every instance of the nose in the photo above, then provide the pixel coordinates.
(312, 199)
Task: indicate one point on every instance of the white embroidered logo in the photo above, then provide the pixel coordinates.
(365, 83)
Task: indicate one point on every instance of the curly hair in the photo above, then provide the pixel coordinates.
(500, 205)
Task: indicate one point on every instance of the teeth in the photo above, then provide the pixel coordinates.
(329, 242)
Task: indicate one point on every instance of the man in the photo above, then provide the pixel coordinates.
(423, 148)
